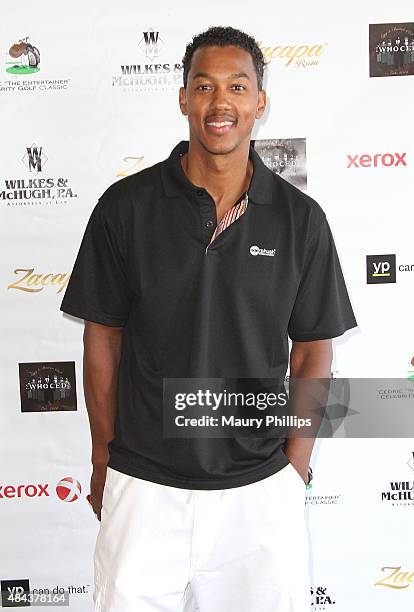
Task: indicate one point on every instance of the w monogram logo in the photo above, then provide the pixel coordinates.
(34, 158)
(151, 37)
(150, 44)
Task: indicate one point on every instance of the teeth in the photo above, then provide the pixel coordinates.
(219, 124)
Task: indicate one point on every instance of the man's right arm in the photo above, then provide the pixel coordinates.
(101, 357)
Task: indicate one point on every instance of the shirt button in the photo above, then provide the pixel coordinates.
(209, 223)
(200, 192)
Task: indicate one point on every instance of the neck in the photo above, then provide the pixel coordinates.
(225, 177)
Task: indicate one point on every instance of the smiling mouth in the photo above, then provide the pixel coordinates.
(219, 127)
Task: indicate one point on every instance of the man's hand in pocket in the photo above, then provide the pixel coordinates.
(98, 479)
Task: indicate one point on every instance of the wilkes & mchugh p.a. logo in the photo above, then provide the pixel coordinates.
(34, 189)
(156, 73)
(401, 492)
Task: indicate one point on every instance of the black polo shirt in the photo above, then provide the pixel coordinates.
(192, 311)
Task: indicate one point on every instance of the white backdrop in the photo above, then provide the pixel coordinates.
(94, 126)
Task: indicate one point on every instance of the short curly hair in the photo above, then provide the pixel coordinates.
(224, 37)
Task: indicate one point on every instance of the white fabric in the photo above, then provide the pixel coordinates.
(166, 549)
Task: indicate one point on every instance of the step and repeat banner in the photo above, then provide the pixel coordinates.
(89, 94)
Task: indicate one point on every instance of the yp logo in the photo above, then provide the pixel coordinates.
(380, 269)
(12, 593)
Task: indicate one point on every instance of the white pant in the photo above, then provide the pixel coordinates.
(166, 549)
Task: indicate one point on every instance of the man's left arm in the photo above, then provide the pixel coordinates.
(312, 360)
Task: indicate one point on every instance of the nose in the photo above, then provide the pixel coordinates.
(221, 98)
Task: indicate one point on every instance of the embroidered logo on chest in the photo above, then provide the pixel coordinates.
(255, 250)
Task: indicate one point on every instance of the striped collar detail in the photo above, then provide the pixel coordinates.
(231, 216)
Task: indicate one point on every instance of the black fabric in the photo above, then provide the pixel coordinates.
(188, 311)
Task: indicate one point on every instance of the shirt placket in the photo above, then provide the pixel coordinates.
(234, 213)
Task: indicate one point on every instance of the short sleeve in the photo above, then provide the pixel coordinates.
(97, 289)
(322, 308)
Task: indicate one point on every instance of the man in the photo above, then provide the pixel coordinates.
(200, 267)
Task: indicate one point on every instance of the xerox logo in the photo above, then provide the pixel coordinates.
(22, 490)
(374, 161)
(67, 489)
(255, 250)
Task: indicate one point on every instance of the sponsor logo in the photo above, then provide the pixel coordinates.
(17, 593)
(151, 44)
(381, 269)
(34, 159)
(68, 489)
(34, 191)
(395, 578)
(285, 157)
(47, 386)
(401, 492)
(33, 283)
(378, 159)
(297, 56)
(321, 599)
(391, 49)
(410, 461)
(410, 370)
(158, 73)
(395, 393)
(22, 490)
(23, 58)
(255, 250)
(135, 164)
(14, 592)
(319, 500)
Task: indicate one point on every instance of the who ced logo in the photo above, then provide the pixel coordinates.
(67, 489)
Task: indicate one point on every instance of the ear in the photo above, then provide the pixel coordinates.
(182, 100)
(261, 104)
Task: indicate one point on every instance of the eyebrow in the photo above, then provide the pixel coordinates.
(237, 75)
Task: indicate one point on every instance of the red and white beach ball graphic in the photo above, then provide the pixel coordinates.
(68, 489)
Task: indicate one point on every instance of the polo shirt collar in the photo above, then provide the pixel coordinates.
(175, 180)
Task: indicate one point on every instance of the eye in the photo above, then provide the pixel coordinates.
(238, 85)
(202, 87)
